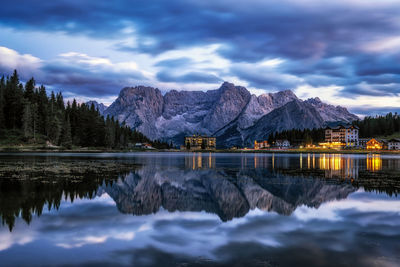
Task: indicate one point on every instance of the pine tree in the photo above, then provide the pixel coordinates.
(54, 130)
(110, 133)
(13, 102)
(27, 121)
(29, 90)
(66, 139)
(42, 110)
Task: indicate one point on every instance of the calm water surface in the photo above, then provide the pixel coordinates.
(199, 209)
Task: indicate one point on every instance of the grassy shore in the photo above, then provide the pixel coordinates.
(42, 148)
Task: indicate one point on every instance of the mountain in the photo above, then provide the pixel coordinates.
(295, 114)
(176, 114)
(230, 113)
(232, 134)
(139, 107)
(331, 113)
(232, 195)
(99, 106)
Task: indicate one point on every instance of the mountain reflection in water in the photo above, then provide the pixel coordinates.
(205, 209)
(227, 186)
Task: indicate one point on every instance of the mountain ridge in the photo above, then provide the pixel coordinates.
(171, 116)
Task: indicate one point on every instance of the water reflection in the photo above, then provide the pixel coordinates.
(228, 186)
(200, 161)
(201, 209)
(374, 163)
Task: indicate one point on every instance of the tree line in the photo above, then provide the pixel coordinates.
(298, 137)
(29, 110)
(372, 126)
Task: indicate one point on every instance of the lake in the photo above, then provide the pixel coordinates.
(199, 209)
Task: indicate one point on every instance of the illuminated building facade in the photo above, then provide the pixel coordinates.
(344, 136)
(198, 142)
(376, 144)
(261, 145)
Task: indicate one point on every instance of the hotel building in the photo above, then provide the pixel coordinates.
(198, 142)
(342, 136)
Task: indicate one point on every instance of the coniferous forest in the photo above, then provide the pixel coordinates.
(28, 112)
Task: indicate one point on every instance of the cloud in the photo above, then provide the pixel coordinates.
(195, 77)
(261, 76)
(25, 63)
(174, 62)
(348, 44)
(75, 73)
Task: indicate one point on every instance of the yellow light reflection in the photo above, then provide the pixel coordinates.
(374, 162)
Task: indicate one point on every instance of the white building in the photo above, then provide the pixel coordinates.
(344, 135)
(394, 144)
(282, 143)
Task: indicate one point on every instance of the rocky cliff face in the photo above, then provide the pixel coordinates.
(294, 115)
(331, 113)
(139, 107)
(230, 113)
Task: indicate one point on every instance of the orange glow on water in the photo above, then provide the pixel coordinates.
(374, 162)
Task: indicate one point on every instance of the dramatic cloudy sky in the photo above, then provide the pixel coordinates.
(346, 52)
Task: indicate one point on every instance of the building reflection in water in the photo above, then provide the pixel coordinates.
(374, 162)
(337, 165)
(334, 165)
(200, 161)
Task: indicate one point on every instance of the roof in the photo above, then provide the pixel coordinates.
(379, 140)
(394, 140)
(342, 127)
(202, 136)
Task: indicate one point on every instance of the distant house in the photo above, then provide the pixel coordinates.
(198, 142)
(261, 145)
(377, 144)
(143, 146)
(282, 143)
(342, 135)
(394, 144)
(362, 142)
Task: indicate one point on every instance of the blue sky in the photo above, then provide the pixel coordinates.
(345, 52)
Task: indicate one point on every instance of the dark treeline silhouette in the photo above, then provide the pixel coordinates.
(299, 137)
(369, 127)
(26, 198)
(379, 125)
(29, 111)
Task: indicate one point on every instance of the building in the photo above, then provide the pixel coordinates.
(143, 146)
(282, 143)
(394, 144)
(362, 142)
(197, 142)
(261, 145)
(345, 136)
(377, 144)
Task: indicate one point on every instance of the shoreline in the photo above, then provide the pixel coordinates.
(264, 151)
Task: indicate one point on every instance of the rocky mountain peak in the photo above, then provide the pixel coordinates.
(227, 112)
(331, 113)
